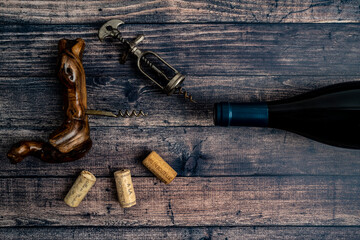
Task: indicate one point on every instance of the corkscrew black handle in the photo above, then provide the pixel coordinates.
(241, 114)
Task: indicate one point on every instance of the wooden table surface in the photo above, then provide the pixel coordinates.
(233, 183)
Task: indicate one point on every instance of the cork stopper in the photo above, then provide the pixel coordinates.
(80, 188)
(159, 167)
(125, 188)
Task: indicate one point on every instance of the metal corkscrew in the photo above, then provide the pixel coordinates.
(125, 114)
(169, 81)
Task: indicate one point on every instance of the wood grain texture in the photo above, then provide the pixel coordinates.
(234, 183)
(20, 104)
(192, 151)
(194, 49)
(50, 12)
(222, 201)
(180, 233)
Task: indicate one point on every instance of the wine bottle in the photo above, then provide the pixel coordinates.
(329, 115)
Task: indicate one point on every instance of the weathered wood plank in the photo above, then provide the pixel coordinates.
(195, 50)
(191, 151)
(237, 201)
(248, 233)
(32, 102)
(45, 12)
(232, 62)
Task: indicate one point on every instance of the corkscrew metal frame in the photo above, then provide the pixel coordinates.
(171, 83)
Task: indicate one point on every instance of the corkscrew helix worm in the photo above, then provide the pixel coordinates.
(181, 91)
(169, 83)
(125, 114)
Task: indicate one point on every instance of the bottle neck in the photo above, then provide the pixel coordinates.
(241, 114)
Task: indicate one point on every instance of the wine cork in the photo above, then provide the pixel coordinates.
(80, 188)
(159, 167)
(125, 188)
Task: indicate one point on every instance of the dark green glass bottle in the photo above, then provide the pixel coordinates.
(329, 115)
